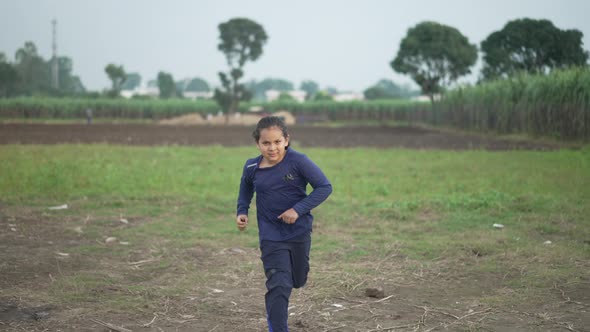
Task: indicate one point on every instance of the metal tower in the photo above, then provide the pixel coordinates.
(54, 64)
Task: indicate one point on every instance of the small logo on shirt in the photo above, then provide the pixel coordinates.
(289, 177)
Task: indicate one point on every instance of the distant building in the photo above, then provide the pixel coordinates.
(150, 91)
(154, 91)
(127, 93)
(197, 95)
(425, 97)
(348, 96)
(298, 95)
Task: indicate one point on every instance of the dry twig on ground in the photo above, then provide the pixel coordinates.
(111, 326)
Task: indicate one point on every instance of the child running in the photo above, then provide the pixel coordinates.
(279, 177)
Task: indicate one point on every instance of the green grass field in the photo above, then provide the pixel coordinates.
(436, 209)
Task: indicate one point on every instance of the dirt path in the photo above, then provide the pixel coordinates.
(359, 136)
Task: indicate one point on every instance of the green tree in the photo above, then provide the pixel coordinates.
(68, 83)
(331, 90)
(323, 96)
(198, 85)
(195, 84)
(387, 89)
(275, 84)
(117, 76)
(133, 81)
(241, 40)
(8, 77)
(384, 89)
(34, 72)
(181, 87)
(284, 96)
(434, 55)
(166, 85)
(77, 87)
(310, 88)
(534, 46)
(258, 89)
(375, 92)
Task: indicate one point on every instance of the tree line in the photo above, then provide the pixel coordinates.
(30, 74)
(434, 55)
(167, 86)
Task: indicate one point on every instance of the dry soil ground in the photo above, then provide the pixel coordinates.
(350, 136)
(440, 296)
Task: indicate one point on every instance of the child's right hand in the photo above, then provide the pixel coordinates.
(242, 221)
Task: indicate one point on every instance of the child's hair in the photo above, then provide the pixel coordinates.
(268, 122)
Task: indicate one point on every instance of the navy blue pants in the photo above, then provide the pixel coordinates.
(286, 265)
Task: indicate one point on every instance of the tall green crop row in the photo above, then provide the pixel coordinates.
(381, 110)
(555, 105)
(63, 108)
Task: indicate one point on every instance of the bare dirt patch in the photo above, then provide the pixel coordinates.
(307, 136)
(146, 289)
(153, 288)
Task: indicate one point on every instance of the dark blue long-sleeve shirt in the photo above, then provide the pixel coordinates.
(279, 188)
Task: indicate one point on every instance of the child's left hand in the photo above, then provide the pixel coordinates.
(289, 217)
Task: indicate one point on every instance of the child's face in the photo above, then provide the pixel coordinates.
(272, 144)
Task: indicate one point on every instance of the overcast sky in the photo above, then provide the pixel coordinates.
(346, 44)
